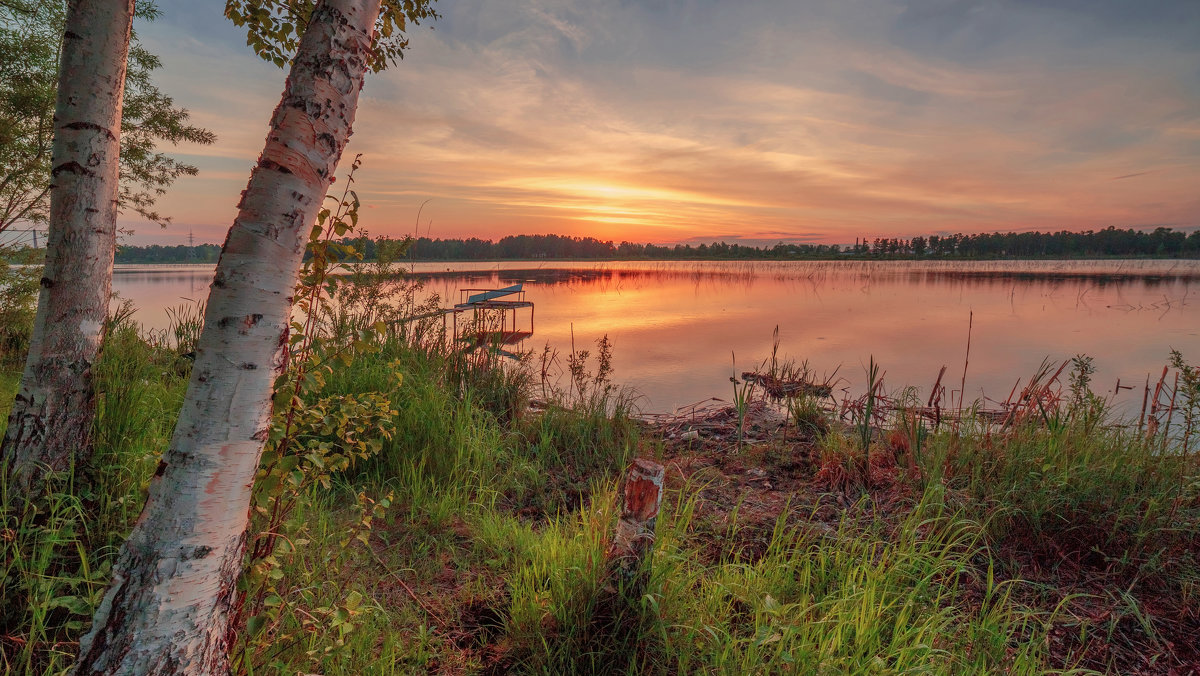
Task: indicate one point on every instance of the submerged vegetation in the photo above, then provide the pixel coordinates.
(425, 509)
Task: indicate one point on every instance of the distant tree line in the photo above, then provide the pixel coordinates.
(1111, 241)
(558, 246)
(1160, 242)
(180, 253)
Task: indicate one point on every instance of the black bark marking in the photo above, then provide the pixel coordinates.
(296, 218)
(161, 469)
(92, 126)
(271, 164)
(248, 366)
(329, 141)
(73, 167)
(244, 323)
(47, 282)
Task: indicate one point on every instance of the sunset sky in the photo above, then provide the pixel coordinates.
(761, 121)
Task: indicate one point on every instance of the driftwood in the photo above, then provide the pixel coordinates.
(781, 388)
(716, 420)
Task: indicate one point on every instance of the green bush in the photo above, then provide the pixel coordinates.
(20, 271)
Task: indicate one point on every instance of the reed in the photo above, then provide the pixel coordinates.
(743, 394)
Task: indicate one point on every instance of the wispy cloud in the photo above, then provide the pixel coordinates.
(771, 119)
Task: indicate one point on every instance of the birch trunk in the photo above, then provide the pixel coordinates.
(51, 419)
(167, 610)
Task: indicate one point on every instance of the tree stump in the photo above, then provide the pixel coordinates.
(634, 539)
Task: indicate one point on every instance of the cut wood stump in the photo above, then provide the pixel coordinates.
(634, 539)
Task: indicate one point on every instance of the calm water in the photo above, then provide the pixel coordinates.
(677, 327)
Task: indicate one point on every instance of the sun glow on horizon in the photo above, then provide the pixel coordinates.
(763, 120)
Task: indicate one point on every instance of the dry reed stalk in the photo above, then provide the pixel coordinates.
(935, 399)
(1171, 409)
(1145, 400)
(1008, 401)
(1036, 392)
(962, 388)
(1152, 424)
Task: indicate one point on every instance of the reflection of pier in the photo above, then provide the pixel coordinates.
(486, 307)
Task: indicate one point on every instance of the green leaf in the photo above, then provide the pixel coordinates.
(74, 604)
(255, 625)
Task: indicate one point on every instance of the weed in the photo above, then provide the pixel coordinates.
(743, 392)
(185, 323)
(1189, 406)
(865, 422)
(20, 271)
(805, 410)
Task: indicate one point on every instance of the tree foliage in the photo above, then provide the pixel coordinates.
(157, 253)
(1110, 241)
(20, 271)
(273, 27)
(30, 39)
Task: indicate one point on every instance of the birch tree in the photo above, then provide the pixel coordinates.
(31, 34)
(167, 609)
(52, 413)
(88, 147)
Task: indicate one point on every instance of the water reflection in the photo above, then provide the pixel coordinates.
(677, 327)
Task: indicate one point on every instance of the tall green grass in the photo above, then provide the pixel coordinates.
(56, 551)
(872, 598)
(1104, 499)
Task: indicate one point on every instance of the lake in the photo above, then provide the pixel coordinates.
(680, 329)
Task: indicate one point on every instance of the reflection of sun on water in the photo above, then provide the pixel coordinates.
(674, 324)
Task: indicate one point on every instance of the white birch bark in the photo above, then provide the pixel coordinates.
(167, 610)
(51, 419)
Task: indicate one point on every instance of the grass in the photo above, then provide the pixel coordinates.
(56, 553)
(9, 381)
(1106, 501)
(968, 550)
